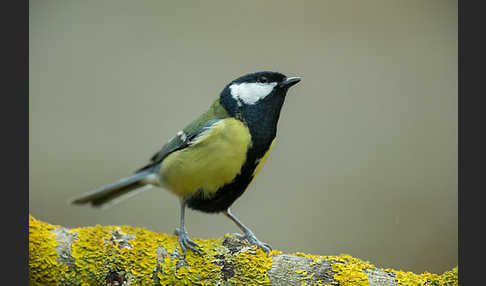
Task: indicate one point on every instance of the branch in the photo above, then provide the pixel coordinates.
(124, 255)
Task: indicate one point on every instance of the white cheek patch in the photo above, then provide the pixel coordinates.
(250, 93)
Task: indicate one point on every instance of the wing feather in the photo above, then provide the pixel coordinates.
(182, 140)
(178, 142)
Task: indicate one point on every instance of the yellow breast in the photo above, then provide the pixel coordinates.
(213, 160)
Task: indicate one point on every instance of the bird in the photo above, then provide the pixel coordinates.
(212, 161)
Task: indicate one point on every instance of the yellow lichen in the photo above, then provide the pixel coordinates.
(448, 278)
(304, 275)
(308, 276)
(347, 270)
(196, 270)
(97, 256)
(43, 266)
(251, 268)
(349, 274)
(105, 253)
(140, 259)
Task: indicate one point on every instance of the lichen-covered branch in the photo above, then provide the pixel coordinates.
(124, 255)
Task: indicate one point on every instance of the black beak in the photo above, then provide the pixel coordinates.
(288, 82)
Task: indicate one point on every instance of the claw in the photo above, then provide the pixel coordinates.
(262, 245)
(185, 242)
(248, 234)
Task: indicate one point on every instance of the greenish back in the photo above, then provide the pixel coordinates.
(178, 142)
(215, 111)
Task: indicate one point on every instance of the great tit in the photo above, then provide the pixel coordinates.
(211, 162)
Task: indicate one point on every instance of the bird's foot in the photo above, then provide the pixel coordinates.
(251, 238)
(185, 242)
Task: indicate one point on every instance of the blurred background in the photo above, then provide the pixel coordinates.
(366, 157)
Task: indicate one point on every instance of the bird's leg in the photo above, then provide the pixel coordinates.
(181, 232)
(248, 234)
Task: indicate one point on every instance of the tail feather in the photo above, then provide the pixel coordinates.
(114, 192)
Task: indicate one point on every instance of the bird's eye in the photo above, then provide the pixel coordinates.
(263, 79)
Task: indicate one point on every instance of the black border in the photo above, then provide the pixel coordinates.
(15, 135)
(472, 141)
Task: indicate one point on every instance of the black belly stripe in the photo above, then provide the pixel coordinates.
(226, 195)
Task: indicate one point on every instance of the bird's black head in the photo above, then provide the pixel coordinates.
(254, 89)
(257, 98)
